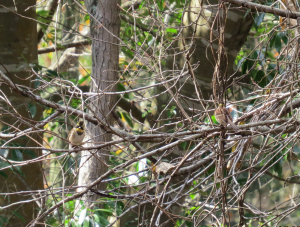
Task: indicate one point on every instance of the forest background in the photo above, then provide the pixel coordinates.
(146, 77)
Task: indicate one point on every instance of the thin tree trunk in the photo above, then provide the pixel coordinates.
(105, 24)
(18, 44)
(66, 62)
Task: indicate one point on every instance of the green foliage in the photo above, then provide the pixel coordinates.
(278, 38)
(43, 18)
(183, 145)
(18, 215)
(2, 173)
(121, 87)
(32, 109)
(214, 119)
(258, 19)
(17, 155)
(83, 79)
(171, 30)
(128, 119)
(171, 112)
(85, 217)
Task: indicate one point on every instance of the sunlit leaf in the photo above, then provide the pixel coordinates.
(82, 216)
(171, 30)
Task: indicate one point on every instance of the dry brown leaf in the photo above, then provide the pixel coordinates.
(164, 168)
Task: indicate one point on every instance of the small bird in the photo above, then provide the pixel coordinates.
(76, 135)
(223, 117)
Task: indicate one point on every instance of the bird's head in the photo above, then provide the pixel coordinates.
(80, 125)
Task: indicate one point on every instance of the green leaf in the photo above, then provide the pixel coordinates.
(32, 109)
(258, 19)
(2, 173)
(51, 73)
(86, 17)
(128, 53)
(96, 218)
(3, 164)
(128, 31)
(278, 165)
(103, 221)
(86, 222)
(210, 170)
(70, 205)
(259, 78)
(214, 119)
(17, 170)
(37, 83)
(242, 181)
(284, 37)
(251, 62)
(247, 12)
(244, 66)
(272, 41)
(278, 43)
(128, 119)
(104, 210)
(161, 5)
(121, 87)
(18, 215)
(43, 13)
(119, 114)
(3, 220)
(83, 79)
(17, 155)
(271, 71)
(30, 153)
(171, 30)
(37, 67)
(183, 145)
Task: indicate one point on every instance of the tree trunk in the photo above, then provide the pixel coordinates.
(205, 30)
(105, 25)
(18, 44)
(66, 62)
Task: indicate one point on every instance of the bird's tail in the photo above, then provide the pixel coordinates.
(236, 129)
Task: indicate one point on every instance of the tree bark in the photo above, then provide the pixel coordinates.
(18, 44)
(65, 61)
(204, 29)
(105, 27)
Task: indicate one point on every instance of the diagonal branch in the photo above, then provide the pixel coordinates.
(266, 9)
(108, 128)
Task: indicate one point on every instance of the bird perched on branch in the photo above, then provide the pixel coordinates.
(77, 134)
(223, 117)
